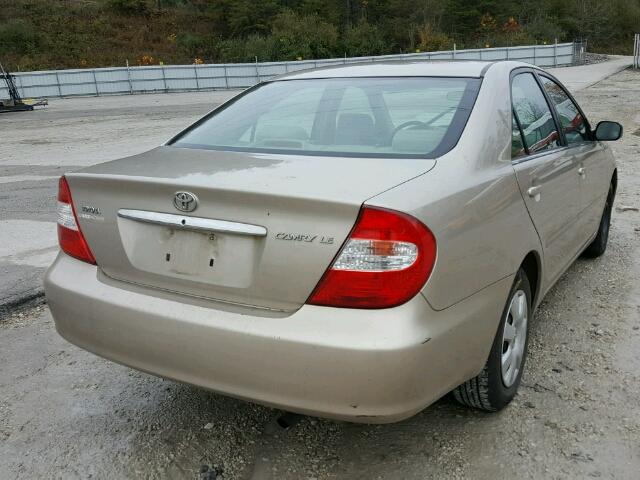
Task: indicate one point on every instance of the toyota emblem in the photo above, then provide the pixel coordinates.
(185, 201)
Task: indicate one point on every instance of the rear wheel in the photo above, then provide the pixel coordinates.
(498, 382)
(599, 244)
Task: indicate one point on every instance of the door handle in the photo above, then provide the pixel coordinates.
(582, 171)
(534, 192)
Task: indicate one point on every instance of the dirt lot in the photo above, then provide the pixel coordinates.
(65, 413)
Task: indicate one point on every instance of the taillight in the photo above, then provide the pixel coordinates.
(385, 262)
(70, 236)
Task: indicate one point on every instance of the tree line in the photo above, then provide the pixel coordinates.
(74, 33)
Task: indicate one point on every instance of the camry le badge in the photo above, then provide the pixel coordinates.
(185, 201)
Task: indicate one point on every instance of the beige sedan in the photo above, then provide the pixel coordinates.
(351, 242)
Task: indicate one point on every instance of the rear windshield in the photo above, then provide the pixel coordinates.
(365, 117)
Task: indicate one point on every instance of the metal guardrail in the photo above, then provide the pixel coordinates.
(636, 50)
(175, 78)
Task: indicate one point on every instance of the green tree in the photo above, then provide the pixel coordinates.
(364, 39)
(301, 37)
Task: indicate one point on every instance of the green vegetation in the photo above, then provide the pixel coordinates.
(43, 34)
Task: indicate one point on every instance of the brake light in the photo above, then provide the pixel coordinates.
(70, 236)
(386, 260)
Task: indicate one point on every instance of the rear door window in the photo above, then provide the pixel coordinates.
(534, 115)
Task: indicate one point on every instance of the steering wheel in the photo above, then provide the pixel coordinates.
(411, 123)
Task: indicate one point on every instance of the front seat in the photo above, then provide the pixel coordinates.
(355, 129)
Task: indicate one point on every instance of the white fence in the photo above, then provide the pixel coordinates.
(172, 78)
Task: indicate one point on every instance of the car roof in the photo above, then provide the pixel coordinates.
(414, 68)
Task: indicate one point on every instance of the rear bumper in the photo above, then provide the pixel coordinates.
(371, 366)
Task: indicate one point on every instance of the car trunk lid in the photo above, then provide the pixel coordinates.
(265, 229)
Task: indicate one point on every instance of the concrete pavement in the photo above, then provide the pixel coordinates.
(583, 76)
(37, 147)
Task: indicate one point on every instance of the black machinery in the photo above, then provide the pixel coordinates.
(14, 102)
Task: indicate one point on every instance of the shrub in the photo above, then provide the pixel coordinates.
(129, 7)
(364, 39)
(432, 40)
(194, 45)
(543, 29)
(17, 36)
(302, 37)
(247, 49)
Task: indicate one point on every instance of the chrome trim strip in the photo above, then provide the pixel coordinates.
(193, 223)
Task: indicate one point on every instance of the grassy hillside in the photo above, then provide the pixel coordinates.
(43, 34)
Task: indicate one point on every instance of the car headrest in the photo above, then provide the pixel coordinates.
(355, 129)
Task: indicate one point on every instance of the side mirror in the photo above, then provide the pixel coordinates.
(608, 131)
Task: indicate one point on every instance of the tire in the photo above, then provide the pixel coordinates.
(493, 389)
(599, 244)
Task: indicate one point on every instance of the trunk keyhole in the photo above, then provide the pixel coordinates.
(168, 257)
(211, 262)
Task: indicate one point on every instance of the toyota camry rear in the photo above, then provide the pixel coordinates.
(330, 242)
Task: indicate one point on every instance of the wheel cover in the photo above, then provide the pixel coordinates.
(514, 338)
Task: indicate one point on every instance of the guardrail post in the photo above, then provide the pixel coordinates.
(555, 52)
(18, 86)
(129, 78)
(195, 72)
(58, 82)
(95, 82)
(257, 72)
(584, 51)
(164, 78)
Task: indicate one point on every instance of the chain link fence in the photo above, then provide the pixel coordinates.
(176, 78)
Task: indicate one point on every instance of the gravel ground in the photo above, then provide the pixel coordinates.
(66, 413)
(591, 58)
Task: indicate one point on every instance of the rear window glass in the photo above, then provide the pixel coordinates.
(378, 117)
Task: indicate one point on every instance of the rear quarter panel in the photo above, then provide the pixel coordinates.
(472, 203)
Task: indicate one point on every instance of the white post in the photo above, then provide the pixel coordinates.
(555, 52)
(454, 50)
(129, 78)
(95, 82)
(58, 82)
(257, 72)
(164, 79)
